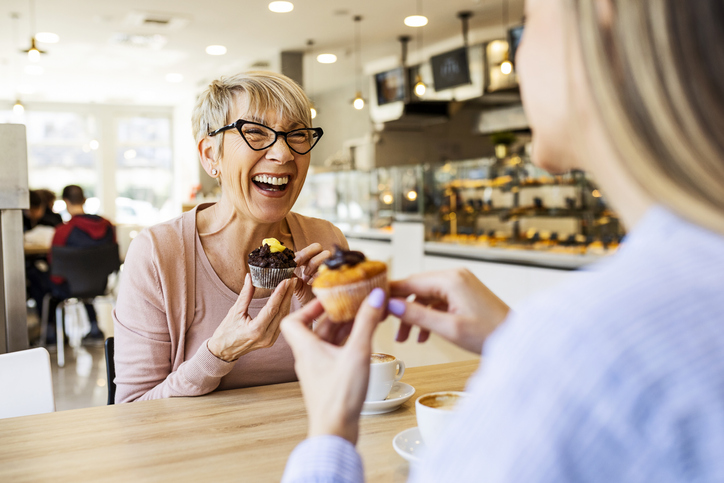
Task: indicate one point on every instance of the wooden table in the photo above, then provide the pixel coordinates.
(29, 249)
(239, 435)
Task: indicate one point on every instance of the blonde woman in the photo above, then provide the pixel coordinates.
(188, 320)
(615, 376)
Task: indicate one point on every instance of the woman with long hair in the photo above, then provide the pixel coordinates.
(618, 374)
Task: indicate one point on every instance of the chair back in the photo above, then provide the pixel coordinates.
(85, 269)
(110, 371)
(26, 383)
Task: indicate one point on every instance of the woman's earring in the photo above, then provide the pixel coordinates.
(214, 172)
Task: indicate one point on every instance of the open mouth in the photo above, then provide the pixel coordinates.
(271, 183)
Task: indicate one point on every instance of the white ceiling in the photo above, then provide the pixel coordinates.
(88, 66)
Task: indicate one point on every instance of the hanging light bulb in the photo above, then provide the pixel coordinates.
(18, 108)
(313, 112)
(33, 52)
(420, 86)
(506, 67)
(358, 102)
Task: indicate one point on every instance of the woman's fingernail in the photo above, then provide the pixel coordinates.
(377, 298)
(396, 307)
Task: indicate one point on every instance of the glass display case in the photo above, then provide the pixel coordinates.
(501, 207)
(507, 202)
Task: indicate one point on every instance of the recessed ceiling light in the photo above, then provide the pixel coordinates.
(34, 70)
(416, 21)
(281, 7)
(216, 50)
(326, 58)
(47, 37)
(174, 77)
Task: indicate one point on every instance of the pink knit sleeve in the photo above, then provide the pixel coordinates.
(143, 339)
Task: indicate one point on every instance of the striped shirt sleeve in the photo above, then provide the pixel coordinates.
(324, 459)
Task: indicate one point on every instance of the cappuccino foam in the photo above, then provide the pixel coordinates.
(380, 358)
(440, 401)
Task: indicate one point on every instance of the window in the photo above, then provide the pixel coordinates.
(144, 169)
(62, 150)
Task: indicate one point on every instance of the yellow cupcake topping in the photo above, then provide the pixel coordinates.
(275, 246)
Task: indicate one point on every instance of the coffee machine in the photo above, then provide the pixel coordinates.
(14, 197)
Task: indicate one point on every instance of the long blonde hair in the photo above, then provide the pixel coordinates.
(656, 70)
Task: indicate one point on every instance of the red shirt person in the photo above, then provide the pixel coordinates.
(82, 231)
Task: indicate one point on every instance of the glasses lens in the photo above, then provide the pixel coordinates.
(258, 136)
(302, 140)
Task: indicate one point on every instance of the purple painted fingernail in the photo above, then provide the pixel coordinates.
(377, 298)
(396, 307)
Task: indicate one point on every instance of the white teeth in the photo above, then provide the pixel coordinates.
(263, 178)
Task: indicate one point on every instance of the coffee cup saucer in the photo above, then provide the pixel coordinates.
(400, 393)
(409, 445)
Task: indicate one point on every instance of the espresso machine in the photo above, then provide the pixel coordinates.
(14, 197)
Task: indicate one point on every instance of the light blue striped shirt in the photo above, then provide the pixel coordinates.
(615, 376)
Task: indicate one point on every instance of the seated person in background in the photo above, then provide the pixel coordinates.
(32, 215)
(50, 217)
(81, 231)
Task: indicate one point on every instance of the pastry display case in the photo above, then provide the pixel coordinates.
(499, 208)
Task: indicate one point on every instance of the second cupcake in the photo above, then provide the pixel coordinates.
(271, 263)
(344, 281)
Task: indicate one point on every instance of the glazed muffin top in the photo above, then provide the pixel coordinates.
(347, 266)
(272, 254)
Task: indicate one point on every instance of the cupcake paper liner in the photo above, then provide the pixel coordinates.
(342, 302)
(269, 277)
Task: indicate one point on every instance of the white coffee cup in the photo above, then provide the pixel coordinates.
(385, 370)
(434, 412)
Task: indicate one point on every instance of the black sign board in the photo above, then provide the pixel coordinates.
(451, 69)
(390, 86)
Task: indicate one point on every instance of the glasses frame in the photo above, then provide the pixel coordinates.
(240, 122)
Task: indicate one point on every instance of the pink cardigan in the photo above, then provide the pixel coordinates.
(171, 301)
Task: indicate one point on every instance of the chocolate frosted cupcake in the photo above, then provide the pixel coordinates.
(344, 281)
(271, 263)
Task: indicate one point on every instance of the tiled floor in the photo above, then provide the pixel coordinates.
(81, 383)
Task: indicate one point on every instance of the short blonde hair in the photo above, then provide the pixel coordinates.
(264, 91)
(656, 70)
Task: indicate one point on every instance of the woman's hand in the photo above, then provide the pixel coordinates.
(308, 260)
(333, 379)
(240, 334)
(453, 304)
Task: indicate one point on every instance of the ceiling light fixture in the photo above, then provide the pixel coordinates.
(18, 108)
(33, 51)
(47, 38)
(216, 50)
(308, 85)
(416, 21)
(326, 58)
(281, 7)
(420, 86)
(358, 102)
(506, 67)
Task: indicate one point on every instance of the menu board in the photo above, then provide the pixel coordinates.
(450, 69)
(390, 86)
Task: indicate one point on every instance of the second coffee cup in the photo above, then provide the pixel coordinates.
(385, 370)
